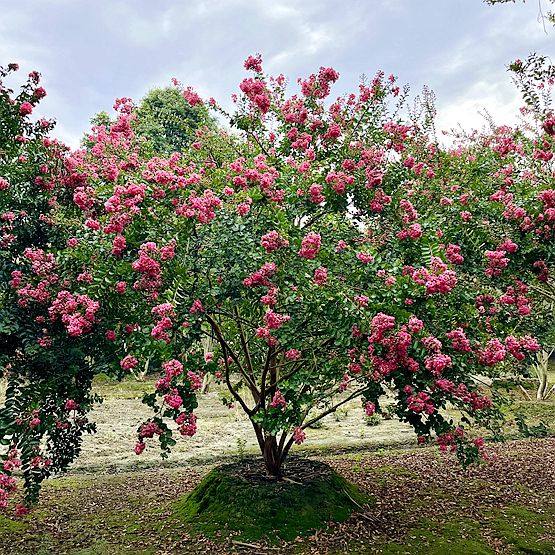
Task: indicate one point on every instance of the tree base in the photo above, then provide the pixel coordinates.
(241, 500)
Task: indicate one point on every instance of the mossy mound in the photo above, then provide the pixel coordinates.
(241, 500)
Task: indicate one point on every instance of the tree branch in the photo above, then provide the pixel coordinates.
(226, 347)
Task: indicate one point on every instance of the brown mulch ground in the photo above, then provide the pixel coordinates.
(519, 473)
(128, 513)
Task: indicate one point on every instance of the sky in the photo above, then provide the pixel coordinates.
(91, 52)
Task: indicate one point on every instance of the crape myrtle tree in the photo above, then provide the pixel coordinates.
(495, 190)
(293, 243)
(46, 369)
(312, 246)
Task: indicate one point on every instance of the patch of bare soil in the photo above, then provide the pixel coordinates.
(221, 431)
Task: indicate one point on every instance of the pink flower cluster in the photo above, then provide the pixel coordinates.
(299, 435)
(164, 313)
(274, 321)
(261, 276)
(128, 363)
(497, 261)
(318, 86)
(437, 362)
(173, 399)
(149, 265)
(320, 276)
(517, 346)
(369, 408)
(461, 392)
(413, 231)
(388, 349)
(459, 341)
(77, 312)
(439, 279)
(25, 109)
(278, 400)
(202, 207)
(310, 245)
(315, 192)
(272, 241)
(516, 296)
(8, 485)
(187, 422)
(421, 402)
(453, 254)
(257, 93)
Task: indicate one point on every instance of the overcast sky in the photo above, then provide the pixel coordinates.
(91, 52)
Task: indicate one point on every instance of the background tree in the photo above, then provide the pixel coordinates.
(165, 121)
(168, 121)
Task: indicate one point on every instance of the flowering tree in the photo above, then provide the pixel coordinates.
(48, 370)
(327, 249)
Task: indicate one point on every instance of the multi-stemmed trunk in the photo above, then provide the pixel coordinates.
(273, 452)
(263, 385)
(272, 457)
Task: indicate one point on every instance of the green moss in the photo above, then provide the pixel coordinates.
(536, 410)
(519, 528)
(386, 473)
(105, 548)
(457, 537)
(69, 483)
(229, 502)
(9, 526)
(527, 531)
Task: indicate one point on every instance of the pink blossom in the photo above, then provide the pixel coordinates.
(274, 320)
(369, 408)
(320, 276)
(273, 241)
(293, 354)
(365, 257)
(121, 286)
(315, 192)
(25, 109)
(129, 362)
(310, 245)
(278, 400)
(173, 399)
(299, 435)
(493, 353)
(415, 325)
(70, 404)
(437, 363)
(254, 63)
(453, 254)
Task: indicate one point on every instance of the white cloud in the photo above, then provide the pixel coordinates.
(90, 53)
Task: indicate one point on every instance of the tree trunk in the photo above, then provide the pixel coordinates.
(542, 387)
(206, 383)
(272, 456)
(541, 368)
